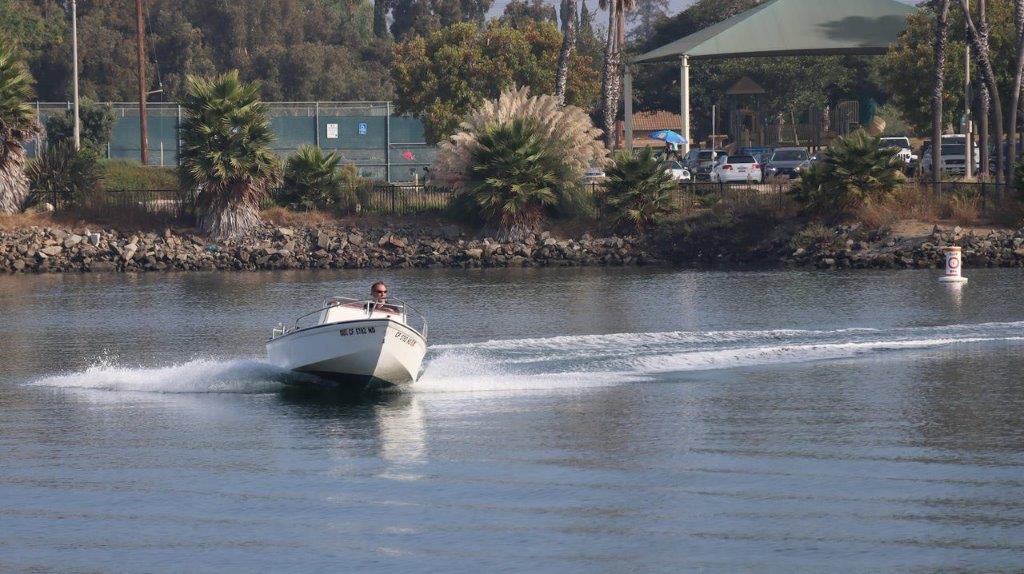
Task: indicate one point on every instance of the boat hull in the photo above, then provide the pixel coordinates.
(371, 352)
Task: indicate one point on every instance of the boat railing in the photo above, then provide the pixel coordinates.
(368, 307)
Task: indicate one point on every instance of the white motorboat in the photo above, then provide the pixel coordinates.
(354, 343)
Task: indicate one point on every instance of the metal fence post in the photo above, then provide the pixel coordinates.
(39, 134)
(387, 143)
(316, 138)
(177, 139)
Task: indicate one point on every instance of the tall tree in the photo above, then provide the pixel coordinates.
(443, 76)
(610, 74)
(518, 13)
(977, 34)
(421, 17)
(569, 14)
(1015, 100)
(645, 17)
(380, 17)
(17, 124)
(938, 82)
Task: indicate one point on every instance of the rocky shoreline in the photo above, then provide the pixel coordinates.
(65, 250)
(60, 250)
(854, 248)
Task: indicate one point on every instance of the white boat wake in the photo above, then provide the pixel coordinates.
(561, 362)
(195, 376)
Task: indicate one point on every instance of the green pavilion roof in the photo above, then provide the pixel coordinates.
(795, 28)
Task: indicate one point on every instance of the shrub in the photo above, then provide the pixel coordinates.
(313, 180)
(63, 173)
(96, 123)
(565, 132)
(638, 189)
(126, 174)
(815, 235)
(513, 177)
(857, 173)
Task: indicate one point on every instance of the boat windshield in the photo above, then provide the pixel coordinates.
(340, 309)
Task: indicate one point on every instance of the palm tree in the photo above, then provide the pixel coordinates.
(977, 35)
(514, 177)
(638, 189)
(17, 124)
(1018, 79)
(938, 83)
(312, 179)
(611, 85)
(225, 153)
(858, 171)
(569, 12)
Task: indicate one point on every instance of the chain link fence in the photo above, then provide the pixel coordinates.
(383, 147)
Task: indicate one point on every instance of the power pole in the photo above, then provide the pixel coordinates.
(140, 27)
(74, 73)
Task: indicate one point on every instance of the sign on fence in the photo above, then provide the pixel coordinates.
(332, 131)
(362, 128)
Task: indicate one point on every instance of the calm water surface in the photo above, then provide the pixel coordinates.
(567, 421)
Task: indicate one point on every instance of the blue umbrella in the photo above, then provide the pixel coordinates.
(668, 136)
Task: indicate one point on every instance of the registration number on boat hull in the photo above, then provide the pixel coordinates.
(358, 331)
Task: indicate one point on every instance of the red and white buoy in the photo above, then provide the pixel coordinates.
(954, 263)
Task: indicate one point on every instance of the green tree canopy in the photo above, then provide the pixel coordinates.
(520, 12)
(420, 17)
(297, 49)
(443, 76)
(910, 64)
(96, 123)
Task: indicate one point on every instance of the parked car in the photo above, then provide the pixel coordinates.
(952, 153)
(677, 170)
(787, 161)
(954, 158)
(702, 163)
(903, 149)
(732, 168)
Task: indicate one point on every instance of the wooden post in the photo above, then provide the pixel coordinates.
(140, 32)
(627, 88)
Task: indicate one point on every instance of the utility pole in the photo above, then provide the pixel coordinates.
(140, 28)
(74, 72)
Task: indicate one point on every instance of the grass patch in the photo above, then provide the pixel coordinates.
(125, 174)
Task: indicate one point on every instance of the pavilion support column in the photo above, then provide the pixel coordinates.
(684, 100)
(627, 88)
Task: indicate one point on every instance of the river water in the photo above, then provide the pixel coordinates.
(567, 421)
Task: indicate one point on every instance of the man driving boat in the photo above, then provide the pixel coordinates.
(379, 294)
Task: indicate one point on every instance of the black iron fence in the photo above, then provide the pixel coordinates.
(391, 199)
(170, 203)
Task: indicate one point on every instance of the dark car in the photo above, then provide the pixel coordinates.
(702, 162)
(787, 161)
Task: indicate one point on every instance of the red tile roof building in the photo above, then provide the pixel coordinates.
(646, 123)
